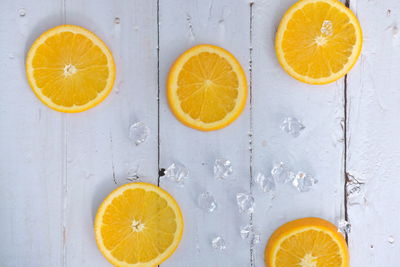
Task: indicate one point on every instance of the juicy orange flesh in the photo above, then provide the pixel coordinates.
(70, 69)
(300, 41)
(154, 219)
(207, 87)
(309, 248)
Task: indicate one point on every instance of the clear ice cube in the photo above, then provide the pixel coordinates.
(218, 243)
(292, 126)
(266, 183)
(245, 231)
(133, 173)
(222, 169)
(138, 132)
(327, 28)
(245, 203)
(177, 173)
(206, 202)
(344, 227)
(256, 238)
(354, 190)
(303, 181)
(280, 173)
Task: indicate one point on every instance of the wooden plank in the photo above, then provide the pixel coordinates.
(32, 161)
(98, 148)
(373, 131)
(319, 148)
(184, 24)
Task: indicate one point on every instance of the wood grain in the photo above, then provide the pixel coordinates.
(373, 144)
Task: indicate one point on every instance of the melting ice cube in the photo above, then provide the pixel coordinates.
(344, 227)
(177, 173)
(292, 126)
(218, 243)
(222, 169)
(138, 132)
(206, 202)
(303, 181)
(245, 203)
(266, 183)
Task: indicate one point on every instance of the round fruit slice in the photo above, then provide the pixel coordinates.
(70, 69)
(318, 41)
(206, 88)
(138, 225)
(307, 242)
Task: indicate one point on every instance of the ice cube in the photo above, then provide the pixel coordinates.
(245, 231)
(303, 181)
(355, 191)
(266, 183)
(344, 227)
(218, 243)
(206, 202)
(245, 203)
(280, 173)
(292, 126)
(222, 169)
(138, 132)
(327, 28)
(256, 238)
(177, 173)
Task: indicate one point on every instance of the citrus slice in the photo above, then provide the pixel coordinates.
(70, 69)
(206, 88)
(307, 242)
(318, 41)
(138, 225)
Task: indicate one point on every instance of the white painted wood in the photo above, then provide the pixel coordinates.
(56, 168)
(31, 144)
(373, 136)
(319, 148)
(184, 24)
(99, 152)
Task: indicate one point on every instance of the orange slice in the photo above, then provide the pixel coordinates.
(138, 225)
(206, 88)
(307, 242)
(318, 41)
(70, 69)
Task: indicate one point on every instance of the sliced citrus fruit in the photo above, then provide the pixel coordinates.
(318, 41)
(206, 88)
(138, 225)
(70, 69)
(307, 242)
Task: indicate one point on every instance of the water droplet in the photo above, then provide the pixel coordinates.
(218, 243)
(245, 203)
(22, 12)
(206, 202)
(222, 169)
(11, 56)
(292, 126)
(117, 20)
(138, 132)
(391, 240)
